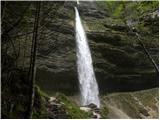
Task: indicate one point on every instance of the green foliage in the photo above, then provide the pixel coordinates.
(105, 5)
(127, 8)
(141, 27)
(137, 13)
(113, 8)
(72, 109)
(119, 10)
(146, 6)
(41, 93)
(104, 112)
(40, 110)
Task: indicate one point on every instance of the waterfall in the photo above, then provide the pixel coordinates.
(87, 81)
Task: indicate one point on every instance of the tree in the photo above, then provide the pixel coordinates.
(32, 69)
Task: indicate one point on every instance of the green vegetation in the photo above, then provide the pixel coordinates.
(40, 110)
(73, 111)
(104, 112)
(117, 8)
(134, 12)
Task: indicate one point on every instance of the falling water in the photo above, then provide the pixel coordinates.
(88, 85)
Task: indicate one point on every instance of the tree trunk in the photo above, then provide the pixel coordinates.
(32, 70)
(148, 54)
(24, 52)
(145, 50)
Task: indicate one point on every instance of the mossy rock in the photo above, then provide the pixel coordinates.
(104, 37)
(73, 111)
(104, 112)
(116, 56)
(40, 101)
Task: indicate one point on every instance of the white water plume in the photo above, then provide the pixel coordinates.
(88, 84)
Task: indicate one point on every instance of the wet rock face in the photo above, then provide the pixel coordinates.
(151, 20)
(119, 61)
(90, 9)
(56, 58)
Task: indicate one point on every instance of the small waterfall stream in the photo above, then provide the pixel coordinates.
(88, 84)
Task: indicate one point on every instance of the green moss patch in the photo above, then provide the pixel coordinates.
(73, 111)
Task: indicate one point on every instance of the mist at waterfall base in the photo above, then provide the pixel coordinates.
(88, 84)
